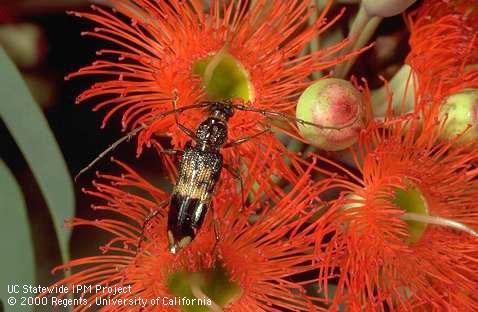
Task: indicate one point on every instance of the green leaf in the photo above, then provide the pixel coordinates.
(31, 132)
(17, 260)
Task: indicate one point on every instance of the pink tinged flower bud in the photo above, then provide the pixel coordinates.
(386, 8)
(461, 113)
(331, 103)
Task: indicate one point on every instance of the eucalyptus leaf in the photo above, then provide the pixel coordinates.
(30, 130)
(18, 265)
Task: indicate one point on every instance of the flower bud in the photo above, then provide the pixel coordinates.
(386, 8)
(461, 113)
(336, 105)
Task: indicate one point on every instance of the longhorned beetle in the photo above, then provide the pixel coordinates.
(200, 166)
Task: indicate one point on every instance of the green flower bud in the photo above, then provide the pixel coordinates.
(331, 103)
(386, 8)
(461, 113)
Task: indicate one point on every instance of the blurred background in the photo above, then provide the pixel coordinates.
(45, 44)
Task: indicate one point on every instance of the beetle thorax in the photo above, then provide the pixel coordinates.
(212, 133)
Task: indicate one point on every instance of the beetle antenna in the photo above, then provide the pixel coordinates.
(135, 131)
(289, 117)
(127, 137)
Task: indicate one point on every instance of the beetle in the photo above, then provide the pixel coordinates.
(199, 172)
(200, 167)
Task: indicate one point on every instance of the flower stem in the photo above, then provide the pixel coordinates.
(315, 43)
(295, 146)
(411, 216)
(402, 88)
(362, 29)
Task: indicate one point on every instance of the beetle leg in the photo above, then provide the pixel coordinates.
(235, 174)
(148, 219)
(169, 151)
(174, 152)
(190, 133)
(217, 230)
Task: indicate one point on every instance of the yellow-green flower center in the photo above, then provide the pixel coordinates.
(224, 77)
(412, 200)
(214, 287)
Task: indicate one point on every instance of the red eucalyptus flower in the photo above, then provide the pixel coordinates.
(256, 258)
(444, 44)
(173, 50)
(403, 234)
